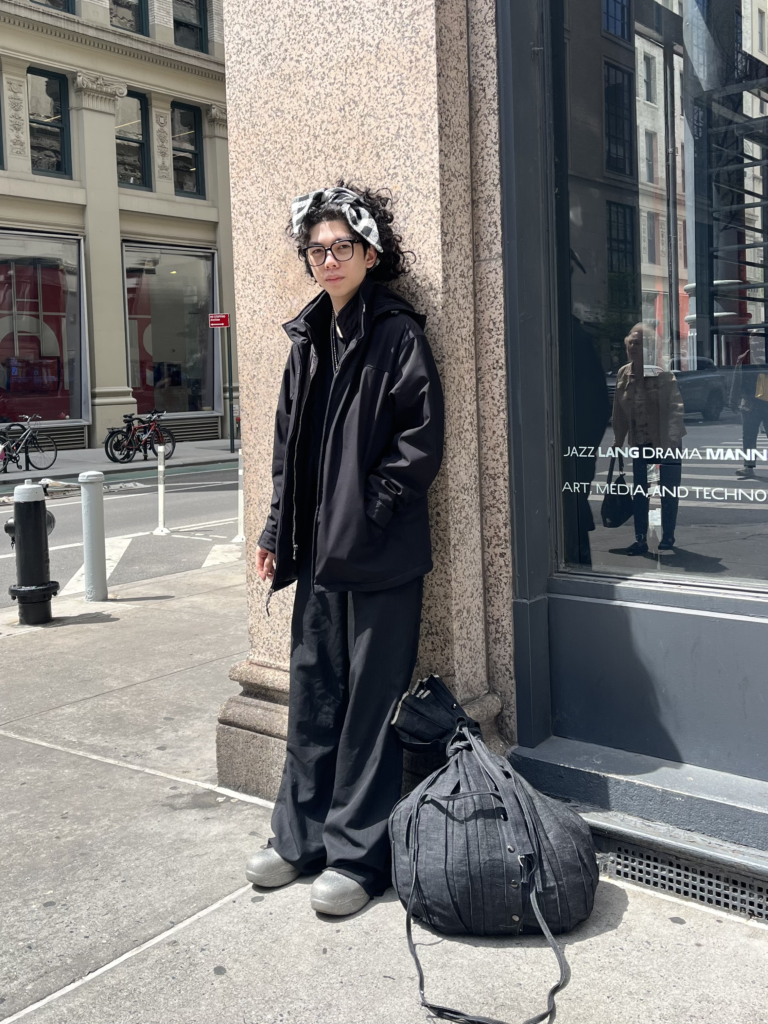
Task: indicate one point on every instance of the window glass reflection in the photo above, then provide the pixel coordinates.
(130, 141)
(127, 14)
(169, 295)
(187, 150)
(664, 374)
(40, 328)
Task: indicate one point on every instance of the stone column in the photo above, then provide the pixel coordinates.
(162, 153)
(161, 20)
(16, 115)
(216, 28)
(94, 101)
(217, 188)
(396, 116)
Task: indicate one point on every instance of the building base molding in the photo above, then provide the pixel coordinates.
(109, 405)
(253, 726)
(249, 762)
(731, 808)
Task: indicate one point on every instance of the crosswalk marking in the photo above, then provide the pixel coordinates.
(115, 548)
(222, 554)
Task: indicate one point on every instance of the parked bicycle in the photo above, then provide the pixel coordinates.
(17, 439)
(140, 434)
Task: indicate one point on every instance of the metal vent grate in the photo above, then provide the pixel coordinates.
(195, 430)
(66, 438)
(727, 891)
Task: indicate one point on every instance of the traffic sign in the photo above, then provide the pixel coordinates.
(218, 319)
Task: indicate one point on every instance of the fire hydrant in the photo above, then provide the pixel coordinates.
(28, 531)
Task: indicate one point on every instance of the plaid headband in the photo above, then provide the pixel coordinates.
(358, 218)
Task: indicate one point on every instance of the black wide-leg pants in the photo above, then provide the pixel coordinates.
(352, 657)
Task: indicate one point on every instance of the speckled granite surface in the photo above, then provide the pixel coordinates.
(403, 98)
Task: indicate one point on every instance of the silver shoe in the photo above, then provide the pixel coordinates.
(333, 893)
(268, 869)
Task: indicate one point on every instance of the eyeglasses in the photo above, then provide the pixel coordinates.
(342, 250)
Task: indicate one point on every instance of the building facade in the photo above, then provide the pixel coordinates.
(115, 224)
(570, 175)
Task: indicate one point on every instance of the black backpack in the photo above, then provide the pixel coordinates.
(476, 850)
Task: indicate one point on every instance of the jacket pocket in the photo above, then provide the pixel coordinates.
(378, 512)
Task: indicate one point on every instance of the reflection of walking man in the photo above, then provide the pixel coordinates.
(648, 413)
(749, 396)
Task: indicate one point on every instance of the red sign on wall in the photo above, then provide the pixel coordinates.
(218, 319)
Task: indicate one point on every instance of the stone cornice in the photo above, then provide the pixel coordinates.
(73, 29)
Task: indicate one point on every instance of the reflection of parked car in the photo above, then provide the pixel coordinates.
(703, 389)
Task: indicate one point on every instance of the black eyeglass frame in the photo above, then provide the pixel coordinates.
(303, 252)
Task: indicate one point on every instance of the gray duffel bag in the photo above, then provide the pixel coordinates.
(476, 850)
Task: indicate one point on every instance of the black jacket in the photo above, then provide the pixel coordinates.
(380, 450)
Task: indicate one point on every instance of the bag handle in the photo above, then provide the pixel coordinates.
(532, 862)
(611, 466)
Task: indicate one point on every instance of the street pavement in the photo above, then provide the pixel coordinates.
(124, 899)
(69, 464)
(201, 511)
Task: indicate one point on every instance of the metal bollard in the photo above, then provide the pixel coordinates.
(161, 530)
(29, 530)
(94, 544)
(240, 538)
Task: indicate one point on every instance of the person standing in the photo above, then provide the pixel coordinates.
(358, 441)
(749, 396)
(648, 412)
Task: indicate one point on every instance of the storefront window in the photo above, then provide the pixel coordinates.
(169, 295)
(664, 376)
(40, 328)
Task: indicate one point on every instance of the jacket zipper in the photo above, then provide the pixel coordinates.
(295, 461)
(322, 448)
(293, 492)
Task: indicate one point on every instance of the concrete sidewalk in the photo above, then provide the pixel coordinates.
(69, 464)
(124, 898)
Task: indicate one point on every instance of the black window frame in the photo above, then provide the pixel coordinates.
(146, 159)
(202, 8)
(143, 29)
(621, 253)
(624, 20)
(652, 228)
(66, 141)
(651, 142)
(649, 80)
(200, 164)
(68, 9)
(611, 138)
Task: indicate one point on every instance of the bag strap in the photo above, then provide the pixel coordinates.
(532, 862)
(611, 466)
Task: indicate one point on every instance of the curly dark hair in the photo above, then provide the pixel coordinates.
(392, 262)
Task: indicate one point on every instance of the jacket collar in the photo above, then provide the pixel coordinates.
(376, 298)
